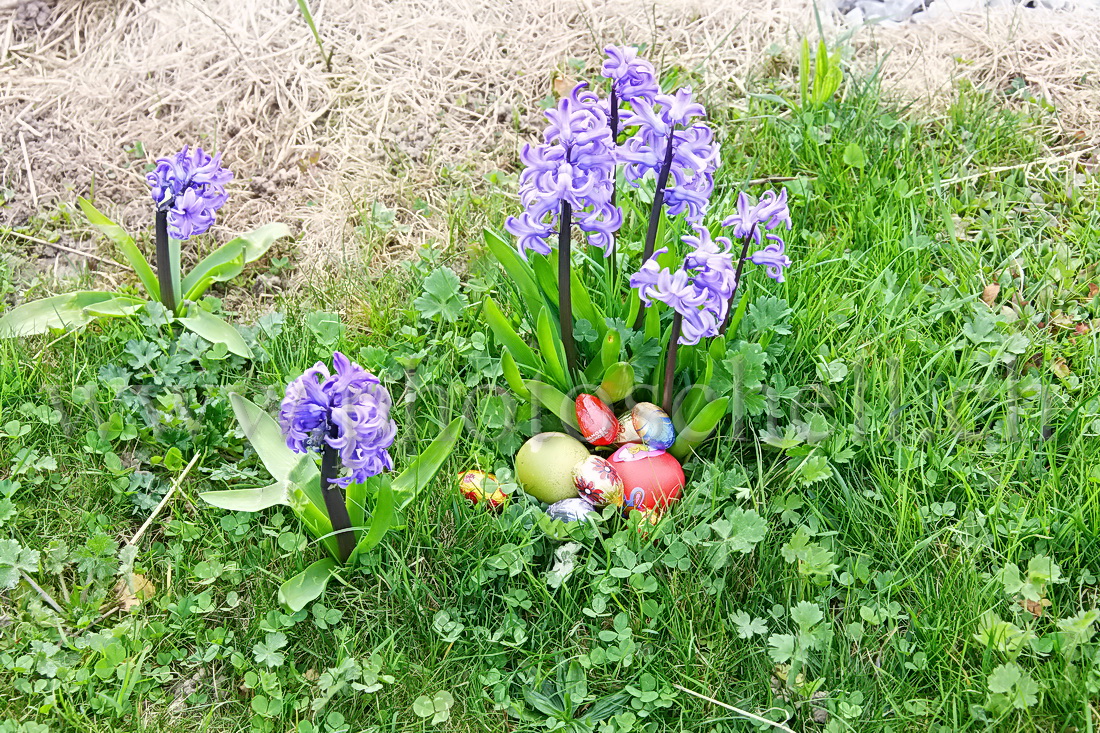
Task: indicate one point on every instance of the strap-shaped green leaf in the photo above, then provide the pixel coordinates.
(551, 349)
(617, 383)
(583, 307)
(383, 518)
(307, 586)
(121, 306)
(699, 428)
(248, 500)
(512, 376)
(215, 330)
(59, 311)
(228, 260)
(555, 401)
(546, 275)
(519, 270)
(125, 244)
(508, 337)
(266, 438)
(423, 469)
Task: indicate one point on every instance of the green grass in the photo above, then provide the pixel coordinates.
(970, 444)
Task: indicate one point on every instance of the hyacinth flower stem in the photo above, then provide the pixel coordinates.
(614, 103)
(164, 266)
(565, 294)
(655, 214)
(737, 279)
(670, 363)
(335, 503)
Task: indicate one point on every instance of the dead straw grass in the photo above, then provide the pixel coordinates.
(425, 96)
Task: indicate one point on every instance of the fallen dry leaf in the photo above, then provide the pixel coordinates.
(1060, 368)
(132, 591)
(990, 293)
(1035, 608)
(563, 85)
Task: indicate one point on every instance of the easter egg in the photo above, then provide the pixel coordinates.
(653, 425)
(472, 485)
(569, 510)
(643, 522)
(597, 482)
(544, 466)
(651, 478)
(597, 422)
(627, 433)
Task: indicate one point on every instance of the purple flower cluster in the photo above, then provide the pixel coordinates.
(672, 120)
(759, 222)
(348, 411)
(699, 291)
(575, 165)
(190, 186)
(631, 77)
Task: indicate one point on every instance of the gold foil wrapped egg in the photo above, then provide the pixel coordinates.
(472, 485)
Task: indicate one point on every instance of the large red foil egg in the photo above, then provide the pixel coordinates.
(596, 420)
(652, 479)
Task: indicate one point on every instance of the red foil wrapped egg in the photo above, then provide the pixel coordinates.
(597, 482)
(652, 479)
(596, 420)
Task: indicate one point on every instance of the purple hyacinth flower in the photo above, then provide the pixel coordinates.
(699, 291)
(673, 119)
(190, 186)
(712, 263)
(760, 221)
(348, 411)
(575, 165)
(631, 77)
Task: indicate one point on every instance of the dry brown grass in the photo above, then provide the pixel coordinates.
(424, 95)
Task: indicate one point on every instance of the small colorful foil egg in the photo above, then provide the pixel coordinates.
(627, 433)
(596, 420)
(597, 482)
(472, 485)
(653, 425)
(651, 478)
(643, 522)
(569, 510)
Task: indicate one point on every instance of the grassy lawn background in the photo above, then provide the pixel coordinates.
(930, 417)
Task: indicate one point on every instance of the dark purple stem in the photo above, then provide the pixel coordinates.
(670, 363)
(335, 504)
(655, 213)
(737, 279)
(565, 294)
(164, 268)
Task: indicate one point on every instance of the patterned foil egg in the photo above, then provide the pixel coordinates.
(627, 433)
(569, 510)
(597, 422)
(597, 482)
(472, 486)
(653, 425)
(651, 478)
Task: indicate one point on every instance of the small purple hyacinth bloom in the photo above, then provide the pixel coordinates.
(759, 222)
(190, 186)
(672, 119)
(699, 291)
(712, 264)
(348, 411)
(575, 165)
(631, 77)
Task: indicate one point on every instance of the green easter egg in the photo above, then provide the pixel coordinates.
(544, 466)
